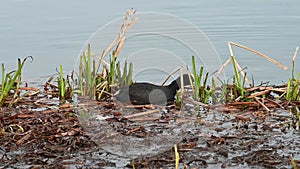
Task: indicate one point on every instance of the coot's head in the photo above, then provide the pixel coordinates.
(177, 83)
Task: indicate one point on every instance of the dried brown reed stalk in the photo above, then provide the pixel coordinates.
(119, 46)
(261, 103)
(170, 74)
(142, 114)
(238, 65)
(295, 54)
(260, 54)
(256, 94)
(180, 68)
(223, 67)
(230, 44)
(128, 21)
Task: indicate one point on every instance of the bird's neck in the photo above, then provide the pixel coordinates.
(173, 85)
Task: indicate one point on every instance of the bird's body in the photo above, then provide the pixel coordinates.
(147, 93)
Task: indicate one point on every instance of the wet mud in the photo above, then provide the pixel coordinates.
(90, 134)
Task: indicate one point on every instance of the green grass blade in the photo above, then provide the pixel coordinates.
(196, 78)
(118, 72)
(200, 74)
(236, 72)
(293, 69)
(61, 84)
(3, 72)
(89, 72)
(112, 71)
(288, 91)
(124, 76)
(129, 76)
(10, 80)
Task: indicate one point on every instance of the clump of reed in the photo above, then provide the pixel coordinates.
(64, 85)
(113, 77)
(124, 78)
(237, 91)
(241, 89)
(96, 77)
(202, 92)
(11, 83)
(87, 74)
(238, 80)
(293, 86)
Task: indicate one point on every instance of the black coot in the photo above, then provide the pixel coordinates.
(146, 93)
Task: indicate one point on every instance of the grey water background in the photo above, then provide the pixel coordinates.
(54, 32)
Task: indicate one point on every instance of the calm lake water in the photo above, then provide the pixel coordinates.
(54, 32)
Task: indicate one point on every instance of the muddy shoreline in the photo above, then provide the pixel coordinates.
(93, 134)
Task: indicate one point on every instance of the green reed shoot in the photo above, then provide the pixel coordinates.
(215, 97)
(9, 80)
(238, 81)
(89, 79)
(116, 76)
(112, 70)
(61, 84)
(293, 87)
(197, 78)
(205, 94)
(124, 75)
(87, 74)
(201, 93)
(223, 92)
(124, 78)
(178, 100)
(93, 83)
(296, 112)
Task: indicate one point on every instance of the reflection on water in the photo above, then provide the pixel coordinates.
(29, 27)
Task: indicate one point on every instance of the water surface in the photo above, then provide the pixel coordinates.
(54, 32)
